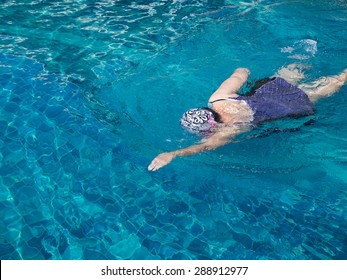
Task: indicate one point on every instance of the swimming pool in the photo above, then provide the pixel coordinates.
(92, 91)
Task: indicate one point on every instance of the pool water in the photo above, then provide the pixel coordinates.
(91, 92)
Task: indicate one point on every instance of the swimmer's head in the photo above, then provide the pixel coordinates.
(201, 121)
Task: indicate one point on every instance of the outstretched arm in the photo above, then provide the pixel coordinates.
(165, 158)
(217, 140)
(231, 85)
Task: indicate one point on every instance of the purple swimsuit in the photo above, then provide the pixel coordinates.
(276, 99)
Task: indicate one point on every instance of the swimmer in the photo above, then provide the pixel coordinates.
(229, 114)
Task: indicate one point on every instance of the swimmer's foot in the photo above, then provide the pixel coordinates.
(293, 73)
(324, 86)
(343, 76)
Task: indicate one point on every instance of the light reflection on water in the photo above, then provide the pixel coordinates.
(91, 91)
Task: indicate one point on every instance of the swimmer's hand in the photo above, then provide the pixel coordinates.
(216, 140)
(161, 160)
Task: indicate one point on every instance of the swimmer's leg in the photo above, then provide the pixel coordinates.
(324, 87)
(293, 73)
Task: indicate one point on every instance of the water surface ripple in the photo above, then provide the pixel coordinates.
(91, 91)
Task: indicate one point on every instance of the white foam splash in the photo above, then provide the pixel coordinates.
(302, 49)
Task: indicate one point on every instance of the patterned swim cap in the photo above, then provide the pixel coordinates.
(199, 121)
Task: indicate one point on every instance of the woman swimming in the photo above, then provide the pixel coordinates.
(230, 114)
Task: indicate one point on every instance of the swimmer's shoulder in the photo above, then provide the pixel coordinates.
(233, 111)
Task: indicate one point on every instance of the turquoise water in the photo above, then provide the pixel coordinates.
(92, 91)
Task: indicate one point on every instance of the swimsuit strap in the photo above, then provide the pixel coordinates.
(258, 84)
(222, 99)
